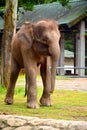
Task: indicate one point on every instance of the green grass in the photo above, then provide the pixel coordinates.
(69, 105)
(22, 78)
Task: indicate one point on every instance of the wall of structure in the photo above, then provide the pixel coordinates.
(69, 61)
(10, 122)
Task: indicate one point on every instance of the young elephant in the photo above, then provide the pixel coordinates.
(35, 44)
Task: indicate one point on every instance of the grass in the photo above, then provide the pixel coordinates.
(22, 78)
(69, 105)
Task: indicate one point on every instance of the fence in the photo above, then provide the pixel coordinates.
(66, 71)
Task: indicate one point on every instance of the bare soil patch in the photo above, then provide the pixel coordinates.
(78, 84)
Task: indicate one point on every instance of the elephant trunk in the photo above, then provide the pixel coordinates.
(55, 58)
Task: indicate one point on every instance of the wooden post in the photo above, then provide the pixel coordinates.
(77, 51)
(61, 60)
(81, 49)
(74, 55)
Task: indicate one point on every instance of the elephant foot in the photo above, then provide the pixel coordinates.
(45, 101)
(8, 100)
(32, 105)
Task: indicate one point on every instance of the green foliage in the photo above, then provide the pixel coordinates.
(69, 45)
(64, 2)
(69, 41)
(85, 33)
(28, 5)
(86, 72)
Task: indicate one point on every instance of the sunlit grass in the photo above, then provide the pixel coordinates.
(70, 105)
(21, 78)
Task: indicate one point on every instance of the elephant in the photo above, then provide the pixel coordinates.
(35, 44)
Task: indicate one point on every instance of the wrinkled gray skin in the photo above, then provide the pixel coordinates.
(33, 45)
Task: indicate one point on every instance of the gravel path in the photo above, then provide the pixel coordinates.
(78, 84)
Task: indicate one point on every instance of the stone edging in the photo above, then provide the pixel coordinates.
(11, 122)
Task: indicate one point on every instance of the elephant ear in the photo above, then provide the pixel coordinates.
(39, 44)
(25, 34)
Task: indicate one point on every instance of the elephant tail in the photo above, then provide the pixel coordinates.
(26, 85)
(25, 91)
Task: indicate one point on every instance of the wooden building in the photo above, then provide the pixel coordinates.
(72, 19)
(68, 62)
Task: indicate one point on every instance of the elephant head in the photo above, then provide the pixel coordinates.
(46, 37)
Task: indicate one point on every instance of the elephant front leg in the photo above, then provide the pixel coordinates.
(46, 78)
(32, 89)
(10, 88)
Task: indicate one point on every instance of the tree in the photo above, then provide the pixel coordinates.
(10, 27)
(10, 18)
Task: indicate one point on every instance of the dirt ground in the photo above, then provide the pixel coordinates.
(78, 84)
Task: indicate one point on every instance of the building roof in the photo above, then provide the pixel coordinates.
(1, 19)
(64, 15)
(1, 23)
(68, 54)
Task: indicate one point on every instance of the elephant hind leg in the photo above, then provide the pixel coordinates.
(13, 77)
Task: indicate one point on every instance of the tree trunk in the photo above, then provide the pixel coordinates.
(10, 18)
